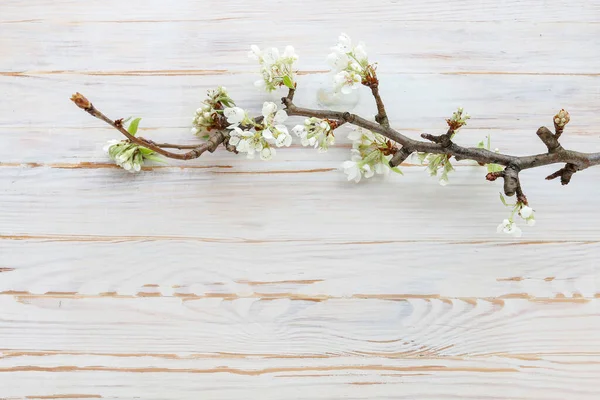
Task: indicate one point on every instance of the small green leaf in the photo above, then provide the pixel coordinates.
(205, 137)
(287, 81)
(480, 145)
(397, 170)
(146, 151)
(155, 158)
(494, 168)
(503, 200)
(133, 126)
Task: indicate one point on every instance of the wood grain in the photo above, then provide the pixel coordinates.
(227, 278)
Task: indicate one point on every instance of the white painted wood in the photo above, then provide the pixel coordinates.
(226, 278)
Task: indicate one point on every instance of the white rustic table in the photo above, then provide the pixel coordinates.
(228, 278)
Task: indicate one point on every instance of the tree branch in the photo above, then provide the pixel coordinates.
(213, 142)
(577, 160)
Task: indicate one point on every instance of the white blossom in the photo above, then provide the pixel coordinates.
(261, 137)
(129, 156)
(526, 213)
(234, 115)
(508, 226)
(349, 63)
(346, 81)
(276, 70)
(371, 154)
(355, 169)
(315, 132)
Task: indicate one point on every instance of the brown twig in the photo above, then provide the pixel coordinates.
(210, 145)
(442, 145)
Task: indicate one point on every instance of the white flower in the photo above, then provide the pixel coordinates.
(234, 115)
(276, 70)
(129, 156)
(371, 153)
(268, 109)
(255, 52)
(270, 56)
(315, 132)
(526, 212)
(338, 61)
(344, 43)
(509, 227)
(346, 81)
(360, 52)
(290, 53)
(350, 63)
(352, 169)
(267, 153)
(271, 132)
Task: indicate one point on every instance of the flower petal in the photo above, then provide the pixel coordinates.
(268, 109)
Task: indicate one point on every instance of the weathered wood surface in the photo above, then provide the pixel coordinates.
(227, 278)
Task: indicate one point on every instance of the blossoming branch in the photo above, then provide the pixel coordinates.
(377, 147)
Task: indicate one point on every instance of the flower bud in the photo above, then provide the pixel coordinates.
(81, 101)
(562, 118)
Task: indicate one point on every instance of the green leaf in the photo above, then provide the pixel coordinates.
(205, 137)
(503, 200)
(133, 126)
(146, 151)
(155, 158)
(494, 168)
(287, 81)
(397, 170)
(480, 145)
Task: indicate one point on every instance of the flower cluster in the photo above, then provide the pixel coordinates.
(562, 118)
(270, 131)
(459, 119)
(276, 69)
(437, 163)
(371, 153)
(508, 225)
(315, 132)
(350, 64)
(129, 156)
(206, 116)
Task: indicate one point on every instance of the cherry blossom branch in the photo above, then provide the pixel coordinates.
(575, 161)
(377, 148)
(210, 145)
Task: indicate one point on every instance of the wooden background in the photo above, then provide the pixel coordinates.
(227, 278)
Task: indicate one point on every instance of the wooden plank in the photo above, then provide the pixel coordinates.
(173, 48)
(415, 102)
(553, 378)
(411, 328)
(279, 14)
(74, 268)
(237, 206)
(335, 342)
